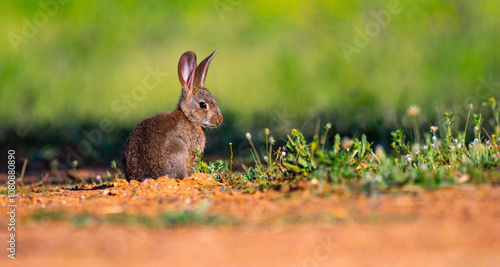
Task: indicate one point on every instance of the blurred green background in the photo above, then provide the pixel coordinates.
(67, 66)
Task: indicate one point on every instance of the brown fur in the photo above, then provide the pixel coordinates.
(167, 143)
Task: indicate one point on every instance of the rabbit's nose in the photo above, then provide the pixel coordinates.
(216, 120)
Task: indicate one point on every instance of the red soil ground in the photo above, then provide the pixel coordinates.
(457, 226)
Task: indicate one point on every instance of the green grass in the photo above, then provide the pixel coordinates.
(167, 219)
(49, 215)
(440, 158)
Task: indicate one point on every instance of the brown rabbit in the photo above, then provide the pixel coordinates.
(168, 143)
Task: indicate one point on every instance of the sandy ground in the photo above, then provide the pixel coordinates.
(457, 226)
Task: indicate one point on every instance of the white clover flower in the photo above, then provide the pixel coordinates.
(416, 148)
(455, 141)
(425, 147)
(248, 136)
(409, 158)
(271, 140)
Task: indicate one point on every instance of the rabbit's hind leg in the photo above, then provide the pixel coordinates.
(176, 155)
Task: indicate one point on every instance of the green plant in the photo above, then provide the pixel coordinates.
(439, 158)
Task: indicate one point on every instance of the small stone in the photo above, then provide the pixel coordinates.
(105, 192)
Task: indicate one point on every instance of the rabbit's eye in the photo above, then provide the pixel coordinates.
(203, 105)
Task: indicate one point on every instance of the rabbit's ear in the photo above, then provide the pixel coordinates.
(201, 71)
(186, 70)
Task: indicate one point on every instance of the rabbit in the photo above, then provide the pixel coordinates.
(169, 143)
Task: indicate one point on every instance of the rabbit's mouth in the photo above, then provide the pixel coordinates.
(215, 121)
(212, 123)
